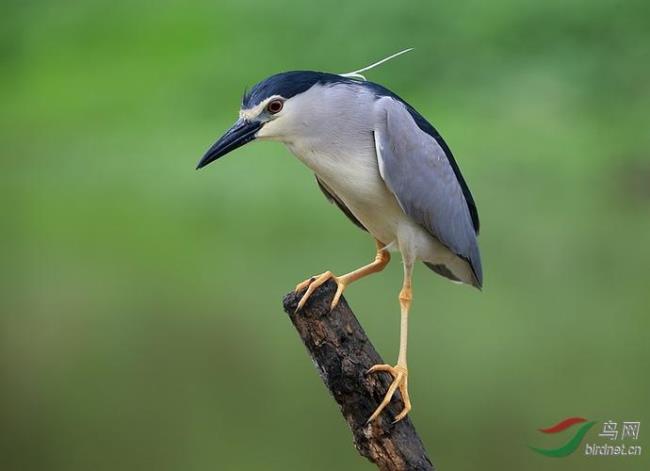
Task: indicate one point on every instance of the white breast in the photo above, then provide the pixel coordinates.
(356, 181)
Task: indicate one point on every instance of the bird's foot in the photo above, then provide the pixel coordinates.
(314, 282)
(400, 380)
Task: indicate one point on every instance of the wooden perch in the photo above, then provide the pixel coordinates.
(343, 354)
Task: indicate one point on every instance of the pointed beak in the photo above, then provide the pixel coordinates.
(239, 134)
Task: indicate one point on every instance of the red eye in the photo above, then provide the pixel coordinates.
(275, 106)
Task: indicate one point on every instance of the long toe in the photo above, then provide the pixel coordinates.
(400, 380)
(313, 285)
(341, 284)
(403, 389)
(304, 284)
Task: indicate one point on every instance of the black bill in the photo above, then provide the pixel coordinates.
(239, 134)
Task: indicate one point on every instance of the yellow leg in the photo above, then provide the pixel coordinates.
(399, 371)
(381, 260)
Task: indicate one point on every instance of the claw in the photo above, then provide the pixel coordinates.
(314, 282)
(304, 284)
(400, 375)
(340, 287)
(381, 260)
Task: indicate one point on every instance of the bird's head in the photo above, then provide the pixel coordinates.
(292, 105)
(275, 109)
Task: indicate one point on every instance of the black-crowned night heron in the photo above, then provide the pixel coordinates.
(383, 165)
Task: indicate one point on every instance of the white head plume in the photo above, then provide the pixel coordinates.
(357, 73)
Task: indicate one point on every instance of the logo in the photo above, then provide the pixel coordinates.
(629, 430)
(570, 446)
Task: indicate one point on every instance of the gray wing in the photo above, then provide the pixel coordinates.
(331, 196)
(417, 171)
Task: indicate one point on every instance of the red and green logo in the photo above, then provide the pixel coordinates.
(570, 446)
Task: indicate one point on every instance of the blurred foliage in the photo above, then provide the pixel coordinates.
(140, 323)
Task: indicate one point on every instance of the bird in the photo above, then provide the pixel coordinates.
(384, 166)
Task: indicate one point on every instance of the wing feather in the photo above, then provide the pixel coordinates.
(418, 172)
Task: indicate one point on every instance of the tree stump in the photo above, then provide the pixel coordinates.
(342, 354)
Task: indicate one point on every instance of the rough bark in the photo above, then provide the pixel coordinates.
(342, 354)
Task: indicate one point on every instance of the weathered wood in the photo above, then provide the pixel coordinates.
(343, 354)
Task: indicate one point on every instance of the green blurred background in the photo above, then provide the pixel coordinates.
(141, 323)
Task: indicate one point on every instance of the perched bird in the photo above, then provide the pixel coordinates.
(383, 165)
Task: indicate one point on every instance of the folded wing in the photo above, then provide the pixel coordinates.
(419, 173)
